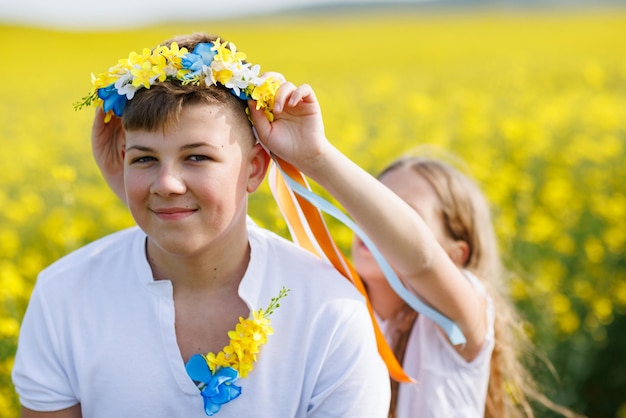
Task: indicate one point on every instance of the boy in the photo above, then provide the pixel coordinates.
(115, 328)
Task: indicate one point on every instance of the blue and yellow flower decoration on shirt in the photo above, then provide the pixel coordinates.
(216, 374)
(209, 64)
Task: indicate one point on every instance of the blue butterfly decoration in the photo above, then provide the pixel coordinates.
(216, 388)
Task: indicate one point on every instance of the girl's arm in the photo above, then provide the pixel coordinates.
(404, 239)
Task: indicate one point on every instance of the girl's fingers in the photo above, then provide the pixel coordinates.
(303, 92)
(282, 94)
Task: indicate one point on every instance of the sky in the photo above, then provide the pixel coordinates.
(126, 14)
(110, 14)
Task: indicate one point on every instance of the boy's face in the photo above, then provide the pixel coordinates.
(187, 187)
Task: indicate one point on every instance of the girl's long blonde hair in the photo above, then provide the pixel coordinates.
(467, 217)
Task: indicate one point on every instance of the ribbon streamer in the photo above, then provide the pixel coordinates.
(308, 230)
(301, 209)
(449, 327)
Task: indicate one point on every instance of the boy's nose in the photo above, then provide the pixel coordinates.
(168, 181)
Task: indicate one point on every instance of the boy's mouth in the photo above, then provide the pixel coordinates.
(173, 214)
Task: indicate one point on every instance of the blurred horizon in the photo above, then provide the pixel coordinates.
(77, 15)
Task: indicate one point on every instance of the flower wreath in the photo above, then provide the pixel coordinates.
(216, 374)
(209, 63)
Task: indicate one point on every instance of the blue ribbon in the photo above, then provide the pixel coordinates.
(449, 327)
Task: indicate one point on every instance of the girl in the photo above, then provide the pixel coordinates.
(455, 209)
(432, 224)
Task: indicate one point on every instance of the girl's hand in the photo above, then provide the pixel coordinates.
(297, 133)
(107, 145)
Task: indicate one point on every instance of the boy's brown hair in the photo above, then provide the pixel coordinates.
(160, 105)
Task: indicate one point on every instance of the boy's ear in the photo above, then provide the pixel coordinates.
(459, 252)
(259, 161)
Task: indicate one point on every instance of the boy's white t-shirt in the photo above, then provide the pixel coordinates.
(99, 331)
(448, 385)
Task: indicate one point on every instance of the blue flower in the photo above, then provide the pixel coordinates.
(112, 100)
(195, 61)
(216, 388)
(242, 94)
(206, 52)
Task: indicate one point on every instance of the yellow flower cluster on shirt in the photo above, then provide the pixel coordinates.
(246, 340)
(245, 343)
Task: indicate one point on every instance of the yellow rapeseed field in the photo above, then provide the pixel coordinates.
(533, 103)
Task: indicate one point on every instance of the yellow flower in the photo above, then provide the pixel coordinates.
(147, 69)
(222, 76)
(173, 54)
(159, 62)
(264, 95)
(136, 59)
(245, 368)
(246, 340)
(216, 361)
(225, 54)
(142, 75)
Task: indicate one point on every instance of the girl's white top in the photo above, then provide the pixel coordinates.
(448, 385)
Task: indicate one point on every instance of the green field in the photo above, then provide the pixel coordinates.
(534, 103)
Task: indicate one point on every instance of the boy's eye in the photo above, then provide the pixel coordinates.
(144, 159)
(198, 157)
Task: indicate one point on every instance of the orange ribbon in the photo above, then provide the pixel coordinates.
(309, 230)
